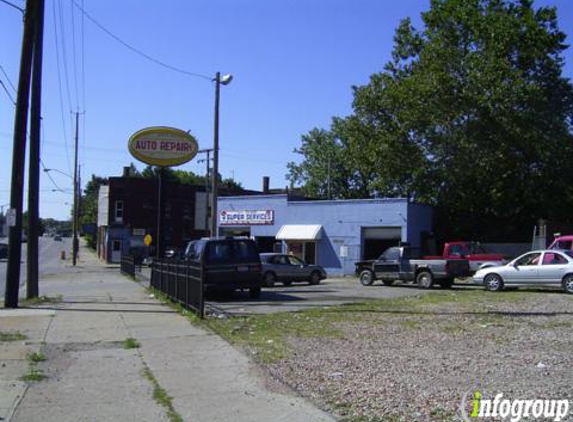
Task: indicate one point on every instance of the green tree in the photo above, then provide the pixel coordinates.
(472, 114)
(89, 201)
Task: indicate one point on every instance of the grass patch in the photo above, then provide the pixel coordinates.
(34, 374)
(131, 343)
(161, 397)
(9, 336)
(36, 357)
(163, 298)
(268, 335)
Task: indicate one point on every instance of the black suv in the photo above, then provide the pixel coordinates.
(229, 263)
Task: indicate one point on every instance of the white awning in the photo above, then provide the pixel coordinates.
(300, 232)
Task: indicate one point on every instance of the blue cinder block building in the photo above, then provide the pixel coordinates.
(331, 233)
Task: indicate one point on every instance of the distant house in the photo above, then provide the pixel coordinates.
(127, 212)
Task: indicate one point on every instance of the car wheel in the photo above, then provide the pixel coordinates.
(314, 278)
(287, 282)
(493, 283)
(270, 279)
(568, 284)
(388, 282)
(447, 283)
(255, 292)
(425, 280)
(366, 278)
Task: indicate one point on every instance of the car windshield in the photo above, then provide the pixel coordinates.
(569, 253)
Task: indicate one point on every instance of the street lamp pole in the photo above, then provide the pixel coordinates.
(225, 80)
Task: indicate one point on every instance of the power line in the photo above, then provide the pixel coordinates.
(75, 63)
(8, 93)
(13, 5)
(135, 50)
(65, 55)
(7, 77)
(60, 82)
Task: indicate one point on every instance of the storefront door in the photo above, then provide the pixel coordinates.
(303, 250)
(116, 251)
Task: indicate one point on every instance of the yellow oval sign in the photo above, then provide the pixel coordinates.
(147, 240)
(163, 146)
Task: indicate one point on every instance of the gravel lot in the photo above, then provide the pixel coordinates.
(412, 359)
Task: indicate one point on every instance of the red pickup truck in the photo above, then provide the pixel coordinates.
(473, 252)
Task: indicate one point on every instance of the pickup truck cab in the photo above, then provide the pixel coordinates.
(473, 252)
(563, 243)
(404, 263)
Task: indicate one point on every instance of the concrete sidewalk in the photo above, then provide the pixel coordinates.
(92, 377)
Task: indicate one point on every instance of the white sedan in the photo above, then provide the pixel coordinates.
(547, 267)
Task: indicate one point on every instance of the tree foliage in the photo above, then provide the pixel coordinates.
(472, 115)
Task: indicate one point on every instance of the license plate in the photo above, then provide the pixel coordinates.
(243, 268)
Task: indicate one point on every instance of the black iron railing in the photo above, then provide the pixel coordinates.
(181, 281)
(128, 265)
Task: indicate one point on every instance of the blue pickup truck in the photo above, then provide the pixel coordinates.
(404, 263)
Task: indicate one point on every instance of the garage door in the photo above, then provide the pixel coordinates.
(376, 240)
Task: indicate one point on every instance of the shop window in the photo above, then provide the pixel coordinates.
(118, 212)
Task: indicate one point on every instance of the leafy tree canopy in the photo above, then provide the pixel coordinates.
(471, 114)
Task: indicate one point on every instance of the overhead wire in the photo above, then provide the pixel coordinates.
(13, 5)
(8, 78)
(137, 51)
(74, 58)
(65, 132)
(8, 93)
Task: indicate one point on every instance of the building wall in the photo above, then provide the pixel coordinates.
(343, 223)
(182, 211)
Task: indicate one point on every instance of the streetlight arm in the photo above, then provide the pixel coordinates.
(58, 171)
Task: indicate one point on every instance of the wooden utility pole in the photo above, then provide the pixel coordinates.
(32, 289)
(19, 157)
(75, 241)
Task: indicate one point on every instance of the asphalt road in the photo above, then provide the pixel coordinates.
(48, 263)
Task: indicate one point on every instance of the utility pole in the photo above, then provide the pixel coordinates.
(215, 176)
(207, 172)
(75, 216)
(32, 289)
(19, 158)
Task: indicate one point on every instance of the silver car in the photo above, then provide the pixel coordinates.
(288, 268)
(545, 267)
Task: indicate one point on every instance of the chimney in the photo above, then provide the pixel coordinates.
(126, 171)
(266, 182)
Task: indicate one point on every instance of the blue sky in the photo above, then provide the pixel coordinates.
(293, 63)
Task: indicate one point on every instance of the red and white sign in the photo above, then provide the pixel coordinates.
(163, 146)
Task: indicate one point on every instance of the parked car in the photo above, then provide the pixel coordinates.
(477, 256)
(544, 267)
(58, 238)
(228, 263)
(3, 251)
(289, 268)
(404, 263)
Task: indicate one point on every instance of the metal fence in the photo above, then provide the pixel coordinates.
(181, 281)
(128, 265)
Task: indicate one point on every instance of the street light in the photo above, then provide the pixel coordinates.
(225, 80)
(58, 171)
